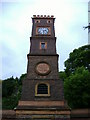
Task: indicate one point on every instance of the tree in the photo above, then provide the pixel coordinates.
(77, 88)
(22, 77)
(79, 57)
(62, 75)
(11, 91)
(8, 87)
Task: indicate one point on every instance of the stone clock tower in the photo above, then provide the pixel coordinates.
(42, 91)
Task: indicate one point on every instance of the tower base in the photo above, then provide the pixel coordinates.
(42, 110)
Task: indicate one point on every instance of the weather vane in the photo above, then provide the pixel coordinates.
(87, 27)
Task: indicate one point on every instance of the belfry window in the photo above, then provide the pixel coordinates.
(49, 21)
(42, 89)
(43, 45)
(37, 21)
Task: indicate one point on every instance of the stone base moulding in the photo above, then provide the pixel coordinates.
(42, 103)
(42, 112)
(45, 117)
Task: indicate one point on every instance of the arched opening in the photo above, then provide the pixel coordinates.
(42, 89)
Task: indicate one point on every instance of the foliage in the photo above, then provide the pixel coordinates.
(62, 75)
(9, 86)
(22, 77)
(77, 82)
(0, 94)
(10, 102)
(79, 57)
(77, 88)
(11, 91)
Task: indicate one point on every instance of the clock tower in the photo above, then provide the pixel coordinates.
(42, 91)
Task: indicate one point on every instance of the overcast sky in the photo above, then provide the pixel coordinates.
(16, 27)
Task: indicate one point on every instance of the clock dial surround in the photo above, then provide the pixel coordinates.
(43, 31)
(42, 68)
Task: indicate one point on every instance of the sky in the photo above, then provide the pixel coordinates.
(16, 27)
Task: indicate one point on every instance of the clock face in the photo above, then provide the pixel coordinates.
(43, 30)
(42, 68)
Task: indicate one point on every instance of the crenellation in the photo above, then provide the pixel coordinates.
(43, 16)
